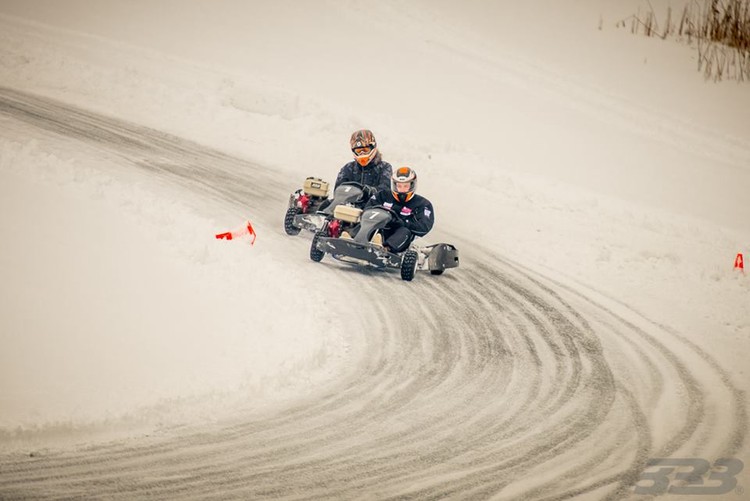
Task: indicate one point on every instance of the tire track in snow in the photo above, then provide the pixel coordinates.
(502, 384)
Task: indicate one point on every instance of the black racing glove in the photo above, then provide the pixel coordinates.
(369, 191)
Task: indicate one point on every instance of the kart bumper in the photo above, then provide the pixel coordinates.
(356, 253)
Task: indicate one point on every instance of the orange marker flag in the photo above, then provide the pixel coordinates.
(246, 229)
(251, 232)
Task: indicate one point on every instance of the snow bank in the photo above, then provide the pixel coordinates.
(117, 300)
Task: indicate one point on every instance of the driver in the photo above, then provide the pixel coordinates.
(415, 214)
(368, 167)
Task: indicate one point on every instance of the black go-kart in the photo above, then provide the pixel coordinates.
(366, 247)
(309, 208)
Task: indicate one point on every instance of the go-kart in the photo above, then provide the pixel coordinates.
(309, 207)
(366, 249)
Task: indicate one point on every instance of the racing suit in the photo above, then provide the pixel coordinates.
(416, 218)
(376, 174)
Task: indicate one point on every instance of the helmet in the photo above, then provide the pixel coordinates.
(402, 176)
(363, 146)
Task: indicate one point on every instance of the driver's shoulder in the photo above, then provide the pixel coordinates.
(420, 201)
(382, 166)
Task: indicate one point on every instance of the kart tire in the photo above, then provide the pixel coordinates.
(436, 272)
(289, 221)
(315, 254)
(409, 265)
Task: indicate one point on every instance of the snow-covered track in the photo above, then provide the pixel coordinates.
(488, 381)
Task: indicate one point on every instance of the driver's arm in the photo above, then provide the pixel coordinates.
(376, 199)
(384, 180)
(422, 221)
(345, 174)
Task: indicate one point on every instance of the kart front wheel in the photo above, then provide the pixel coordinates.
(315, 254)
(409, 265)
(289, 221)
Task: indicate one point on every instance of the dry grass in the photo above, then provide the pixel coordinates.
(720, 29)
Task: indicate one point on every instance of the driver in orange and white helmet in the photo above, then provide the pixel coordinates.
(415, 216)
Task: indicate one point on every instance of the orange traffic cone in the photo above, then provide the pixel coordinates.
(739, 264)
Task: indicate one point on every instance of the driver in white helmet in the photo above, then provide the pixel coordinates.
(414, 215)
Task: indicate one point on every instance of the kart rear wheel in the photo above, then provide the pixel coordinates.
(315, 254)
(289, 221)
(436, 272)
(409, 265)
